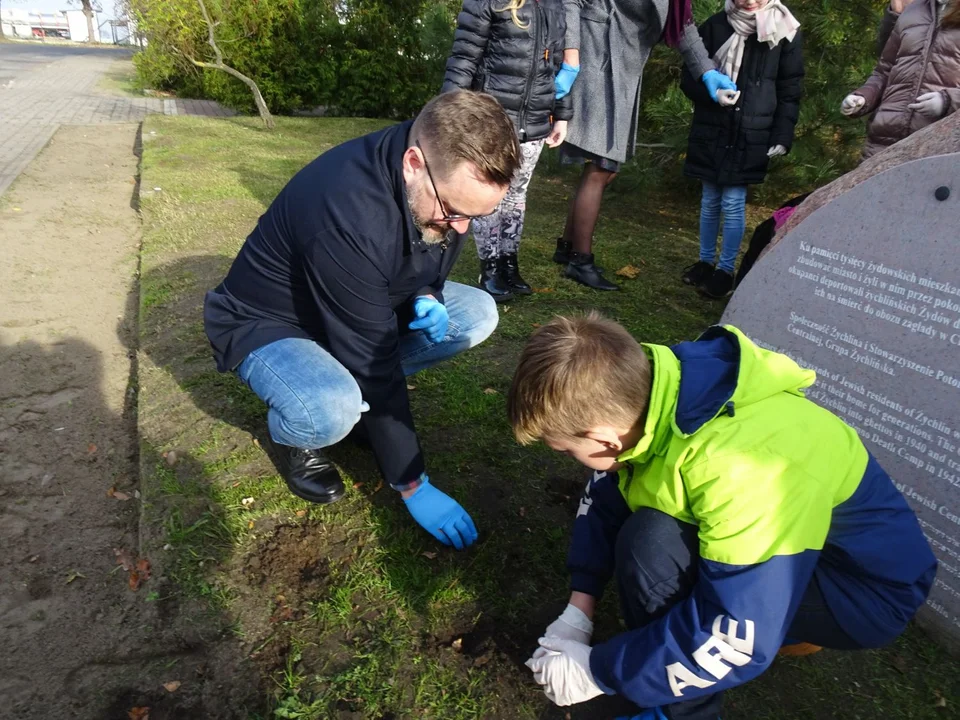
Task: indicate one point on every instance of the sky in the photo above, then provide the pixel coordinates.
(47, 6)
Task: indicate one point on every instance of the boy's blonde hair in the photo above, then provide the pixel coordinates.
(575, 374)
(513, 7)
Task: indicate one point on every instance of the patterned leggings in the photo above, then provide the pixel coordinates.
(498, 234)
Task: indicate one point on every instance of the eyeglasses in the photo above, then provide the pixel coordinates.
(447, 218)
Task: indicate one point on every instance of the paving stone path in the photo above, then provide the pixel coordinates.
(42, 88)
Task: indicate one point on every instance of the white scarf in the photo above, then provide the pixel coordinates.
(771, 24)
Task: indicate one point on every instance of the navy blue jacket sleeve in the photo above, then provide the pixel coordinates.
(601, 514)
(727, 632)
(346, 278)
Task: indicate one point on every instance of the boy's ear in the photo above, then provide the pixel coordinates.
(605, 435)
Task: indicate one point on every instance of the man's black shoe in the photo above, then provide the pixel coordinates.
(718, 285)
(510, 272)
(309, 474)
(492, 280)
(582, 269)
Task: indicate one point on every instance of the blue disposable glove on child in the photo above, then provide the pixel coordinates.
(564, 80)
(716, 80)
(432, 318)
(441, 516)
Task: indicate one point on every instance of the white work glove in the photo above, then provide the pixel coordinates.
(776, 151)
(573, 624)
(929, 105)
(852, 104)
(727, 98)
(564, 671)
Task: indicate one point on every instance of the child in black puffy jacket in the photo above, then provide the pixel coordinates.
(757, 43)
(513, 50)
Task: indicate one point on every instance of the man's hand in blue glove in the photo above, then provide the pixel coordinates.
(564, 80)
(432, 318)
(441, 516)
(716, 80)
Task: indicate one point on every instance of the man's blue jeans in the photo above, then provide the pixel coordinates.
(314, 401)
(731, 200)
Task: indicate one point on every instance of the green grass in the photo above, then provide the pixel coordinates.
(120, 79)
(353, 611)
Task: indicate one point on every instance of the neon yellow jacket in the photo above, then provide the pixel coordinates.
(780, 489)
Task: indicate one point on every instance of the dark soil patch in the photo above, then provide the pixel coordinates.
(294, 564)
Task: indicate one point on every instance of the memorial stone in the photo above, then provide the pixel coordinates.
(865, 290)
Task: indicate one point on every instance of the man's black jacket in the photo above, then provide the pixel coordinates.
(337, 259)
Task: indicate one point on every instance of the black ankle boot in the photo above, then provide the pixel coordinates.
(309, 474)
(493, 281)
(582, 269)
(561, 255)
(510, 272)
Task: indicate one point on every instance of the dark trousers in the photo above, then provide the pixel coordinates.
(657, 559)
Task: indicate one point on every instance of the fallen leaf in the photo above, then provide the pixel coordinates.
(247, 501)
(536, 325)
(411, 387)
(358, 485)
(117, 495)
(250, 525)
(140, 575)
(629, 271)
(125, 559)
(91, 449)
(171, 458)
(429, 555)
(457, 644)
(256, 442)
(139, 713)
(379, 486)
(34, 558)
(482, 660)
(301, 513)
(73, 576)
(941, 700)
(543, 290)
(489, 391)
(172, 686)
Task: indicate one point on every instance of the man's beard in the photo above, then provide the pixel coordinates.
(431, 232)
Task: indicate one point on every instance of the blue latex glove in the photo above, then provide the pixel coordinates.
(441, 516)
(564, 80)
(716, 80)
(432, 318)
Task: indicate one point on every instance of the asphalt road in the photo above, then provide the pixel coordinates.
(19, 58)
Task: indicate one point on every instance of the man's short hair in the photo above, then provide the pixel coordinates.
(466, 126)
(576, 374)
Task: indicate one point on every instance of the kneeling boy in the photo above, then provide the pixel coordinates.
(737, 515)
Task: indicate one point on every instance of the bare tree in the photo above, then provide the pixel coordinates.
(88, 10)
(220, 65)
